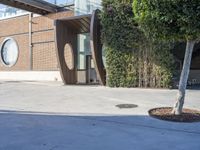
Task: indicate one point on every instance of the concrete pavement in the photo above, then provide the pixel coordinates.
(49, 116)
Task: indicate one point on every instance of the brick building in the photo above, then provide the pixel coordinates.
(28, 45)
(34, 37)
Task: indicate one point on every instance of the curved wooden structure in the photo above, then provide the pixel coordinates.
(96, 46)
(66, 33)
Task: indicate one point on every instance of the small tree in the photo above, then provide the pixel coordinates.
(172, 20)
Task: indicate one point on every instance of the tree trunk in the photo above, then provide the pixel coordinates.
(178, 107)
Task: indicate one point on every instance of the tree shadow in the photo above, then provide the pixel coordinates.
(24, 130)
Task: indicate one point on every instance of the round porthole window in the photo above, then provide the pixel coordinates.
(104, 55)
(69, 56)
(9, 52)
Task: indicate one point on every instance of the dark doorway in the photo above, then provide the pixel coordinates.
(194, 76)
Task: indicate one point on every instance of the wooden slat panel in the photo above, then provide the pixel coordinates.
(80, 25)
(85, 25)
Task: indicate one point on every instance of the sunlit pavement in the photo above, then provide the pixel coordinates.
(49, 116)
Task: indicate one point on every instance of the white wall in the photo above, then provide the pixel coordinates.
(30, 75)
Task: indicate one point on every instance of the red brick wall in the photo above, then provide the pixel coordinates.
(43, 41)
(17, 28)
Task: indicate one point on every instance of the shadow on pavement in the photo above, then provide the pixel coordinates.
(21, 130)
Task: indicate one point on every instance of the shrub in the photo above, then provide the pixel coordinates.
(132, 59)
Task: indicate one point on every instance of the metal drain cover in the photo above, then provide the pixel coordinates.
(126, 106)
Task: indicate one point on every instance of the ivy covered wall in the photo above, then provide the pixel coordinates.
(132, 59)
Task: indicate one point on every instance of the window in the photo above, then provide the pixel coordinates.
(83, 50)
(104, 55)
(86, 6)
(60, 2)
(9, 52)
(6, 11)
(69, 56)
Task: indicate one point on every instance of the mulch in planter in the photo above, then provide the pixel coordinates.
(164, 113)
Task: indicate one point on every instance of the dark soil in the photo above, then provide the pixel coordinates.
(164, 113)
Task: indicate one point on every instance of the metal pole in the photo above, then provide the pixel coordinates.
(30, 42)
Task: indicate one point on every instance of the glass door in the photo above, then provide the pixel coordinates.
(86, 71)
(83, 46)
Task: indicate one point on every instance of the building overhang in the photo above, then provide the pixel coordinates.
(36, 6)
(80, 24)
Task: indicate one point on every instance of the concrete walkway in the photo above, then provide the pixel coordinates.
(49, 116)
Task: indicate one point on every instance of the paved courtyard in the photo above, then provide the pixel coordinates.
(49, 116)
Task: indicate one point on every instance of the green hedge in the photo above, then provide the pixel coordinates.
(132, 60)
(121, 68)
(120, 31)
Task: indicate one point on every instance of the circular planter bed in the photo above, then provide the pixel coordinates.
(164, 113)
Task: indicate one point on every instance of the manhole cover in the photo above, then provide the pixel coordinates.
(126, 106)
